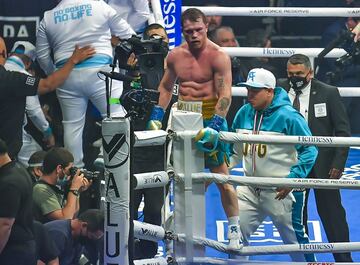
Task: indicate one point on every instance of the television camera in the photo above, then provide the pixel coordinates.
(344, 40)
(149, 54)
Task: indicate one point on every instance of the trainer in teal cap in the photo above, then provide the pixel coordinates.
(260, 78)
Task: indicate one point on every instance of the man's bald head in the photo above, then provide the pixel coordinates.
(3, 51)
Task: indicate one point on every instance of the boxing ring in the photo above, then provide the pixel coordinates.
(185, 234)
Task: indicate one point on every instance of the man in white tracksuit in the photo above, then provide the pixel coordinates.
(135, 12)
(20, 60)
(269, 112)
(81, 22)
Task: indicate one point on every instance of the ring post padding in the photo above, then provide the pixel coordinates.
(148, 232)
(149, 180)
(189, 198)
(116, 144)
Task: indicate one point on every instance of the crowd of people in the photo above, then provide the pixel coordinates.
(41, 182)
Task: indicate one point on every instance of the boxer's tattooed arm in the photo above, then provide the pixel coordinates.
(223, 106)
(220, 83)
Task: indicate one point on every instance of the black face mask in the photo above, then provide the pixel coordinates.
(298, 82)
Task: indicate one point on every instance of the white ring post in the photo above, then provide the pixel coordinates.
(189, 216)
(116, 144)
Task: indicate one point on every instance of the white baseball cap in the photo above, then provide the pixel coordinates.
(260, 78)
(24, 47)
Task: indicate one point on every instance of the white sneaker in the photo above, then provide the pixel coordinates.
(234, 236)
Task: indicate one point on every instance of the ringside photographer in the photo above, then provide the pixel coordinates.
(50, 201)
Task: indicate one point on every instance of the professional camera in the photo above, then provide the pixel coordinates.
(89, 175)
(344, 40)
(150, 55)
(138, 46)
(352, 48)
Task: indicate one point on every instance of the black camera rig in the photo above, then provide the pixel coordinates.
(344, 40)
(150, 55)
(89, 175)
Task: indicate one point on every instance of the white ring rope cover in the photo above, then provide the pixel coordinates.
(277, 11)
(158, 233)
(268, 182)
(328, 141)
(280, 52)
(278, 249)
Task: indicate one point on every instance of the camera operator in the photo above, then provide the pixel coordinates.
(343, 71)
(50, 201)
(148, 159)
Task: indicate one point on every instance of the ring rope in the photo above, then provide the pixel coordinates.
(251, 250)
(268, 182)
(221, 261)
(280, 52)
(277, 11)
(276, 249)
(344, 91)
(328, 141)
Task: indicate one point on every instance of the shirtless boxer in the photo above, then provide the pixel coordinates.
(203, 71)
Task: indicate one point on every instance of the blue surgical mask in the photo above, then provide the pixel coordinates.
(61, 182)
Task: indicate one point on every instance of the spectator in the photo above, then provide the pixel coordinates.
(71, 235)
(214, 22)
(322, 107)
(17, 244)
(261, 39)
(49, 201)
(224, 37)
(21, 60)
(35, 165)
(15, 87)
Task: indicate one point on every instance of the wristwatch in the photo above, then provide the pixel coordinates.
(75, 192)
